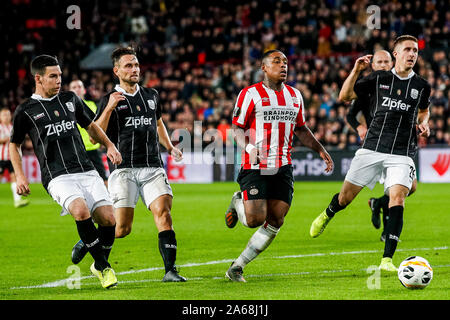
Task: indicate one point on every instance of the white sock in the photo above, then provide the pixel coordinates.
(240, 209)
(14, 192)
(260, 240)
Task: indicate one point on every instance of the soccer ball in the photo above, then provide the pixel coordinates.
(415, 273)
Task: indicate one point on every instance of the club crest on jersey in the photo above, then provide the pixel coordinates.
(70, 106)
(151, 104)
(56, 113)
(138, 108)
(399, 92)
(414, 93)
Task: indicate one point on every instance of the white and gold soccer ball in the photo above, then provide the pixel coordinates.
(415, 273)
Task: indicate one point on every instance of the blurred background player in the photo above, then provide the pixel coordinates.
(92, 149)
(49, 117)
(265, 117)
(131, 115)
(5, 160)
(400, 100)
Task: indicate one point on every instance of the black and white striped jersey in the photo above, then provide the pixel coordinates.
(52, 126)
(395, 102)
(132, 127)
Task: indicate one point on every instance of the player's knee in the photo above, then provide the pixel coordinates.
(80, 214)
(122, 231)
(254, 221)
(397, 199)
(108, 221)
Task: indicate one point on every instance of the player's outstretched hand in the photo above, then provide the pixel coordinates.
(363, 62)
(328, 161)
(114, 155)
(22, 186)
(176, 154)
(424, 130)
(114, 99)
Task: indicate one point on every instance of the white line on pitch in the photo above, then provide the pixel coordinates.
(63, 282)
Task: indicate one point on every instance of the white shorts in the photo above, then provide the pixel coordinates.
(86, 185)
(368, 167)
(125, 185)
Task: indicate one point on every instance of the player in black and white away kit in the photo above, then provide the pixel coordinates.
(381, 60)
(50, 118)
(131, 117)
(400, 101)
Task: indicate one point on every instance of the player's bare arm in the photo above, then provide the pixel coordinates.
(114, 99)
(23, 188)
(347, 93)
(165, 141)
(99, 135)
(422, 120)
(308, 140)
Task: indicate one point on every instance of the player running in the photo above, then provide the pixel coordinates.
(381, 61)
(5, 160)
(265, 118)
(131, 117)
(400, 99)
(49, 117)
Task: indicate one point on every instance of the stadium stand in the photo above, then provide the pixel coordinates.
(199, 54)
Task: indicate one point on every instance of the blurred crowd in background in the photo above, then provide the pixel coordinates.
(200, 54)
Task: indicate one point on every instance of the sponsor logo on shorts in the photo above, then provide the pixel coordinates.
(254, 192)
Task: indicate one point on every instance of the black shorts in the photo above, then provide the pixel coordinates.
(6, 164)
(279, 186)
(96, 158)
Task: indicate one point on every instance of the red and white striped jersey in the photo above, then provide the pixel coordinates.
(5, 132)
(269, 118)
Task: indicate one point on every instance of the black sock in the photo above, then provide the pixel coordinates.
(168, 248)
(334, 206)
(383, 202)
(89, 235)
(107, 234)
(393, 230)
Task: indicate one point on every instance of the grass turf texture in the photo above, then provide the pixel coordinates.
(35, 247)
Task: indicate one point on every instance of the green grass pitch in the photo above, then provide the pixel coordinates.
(35, 247)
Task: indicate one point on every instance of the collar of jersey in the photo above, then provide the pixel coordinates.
(273, 89)
(122, 90)
(409, 76)
(38, 97)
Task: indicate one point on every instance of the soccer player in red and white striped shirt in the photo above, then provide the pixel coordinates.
(265, 118)
(5, 159)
